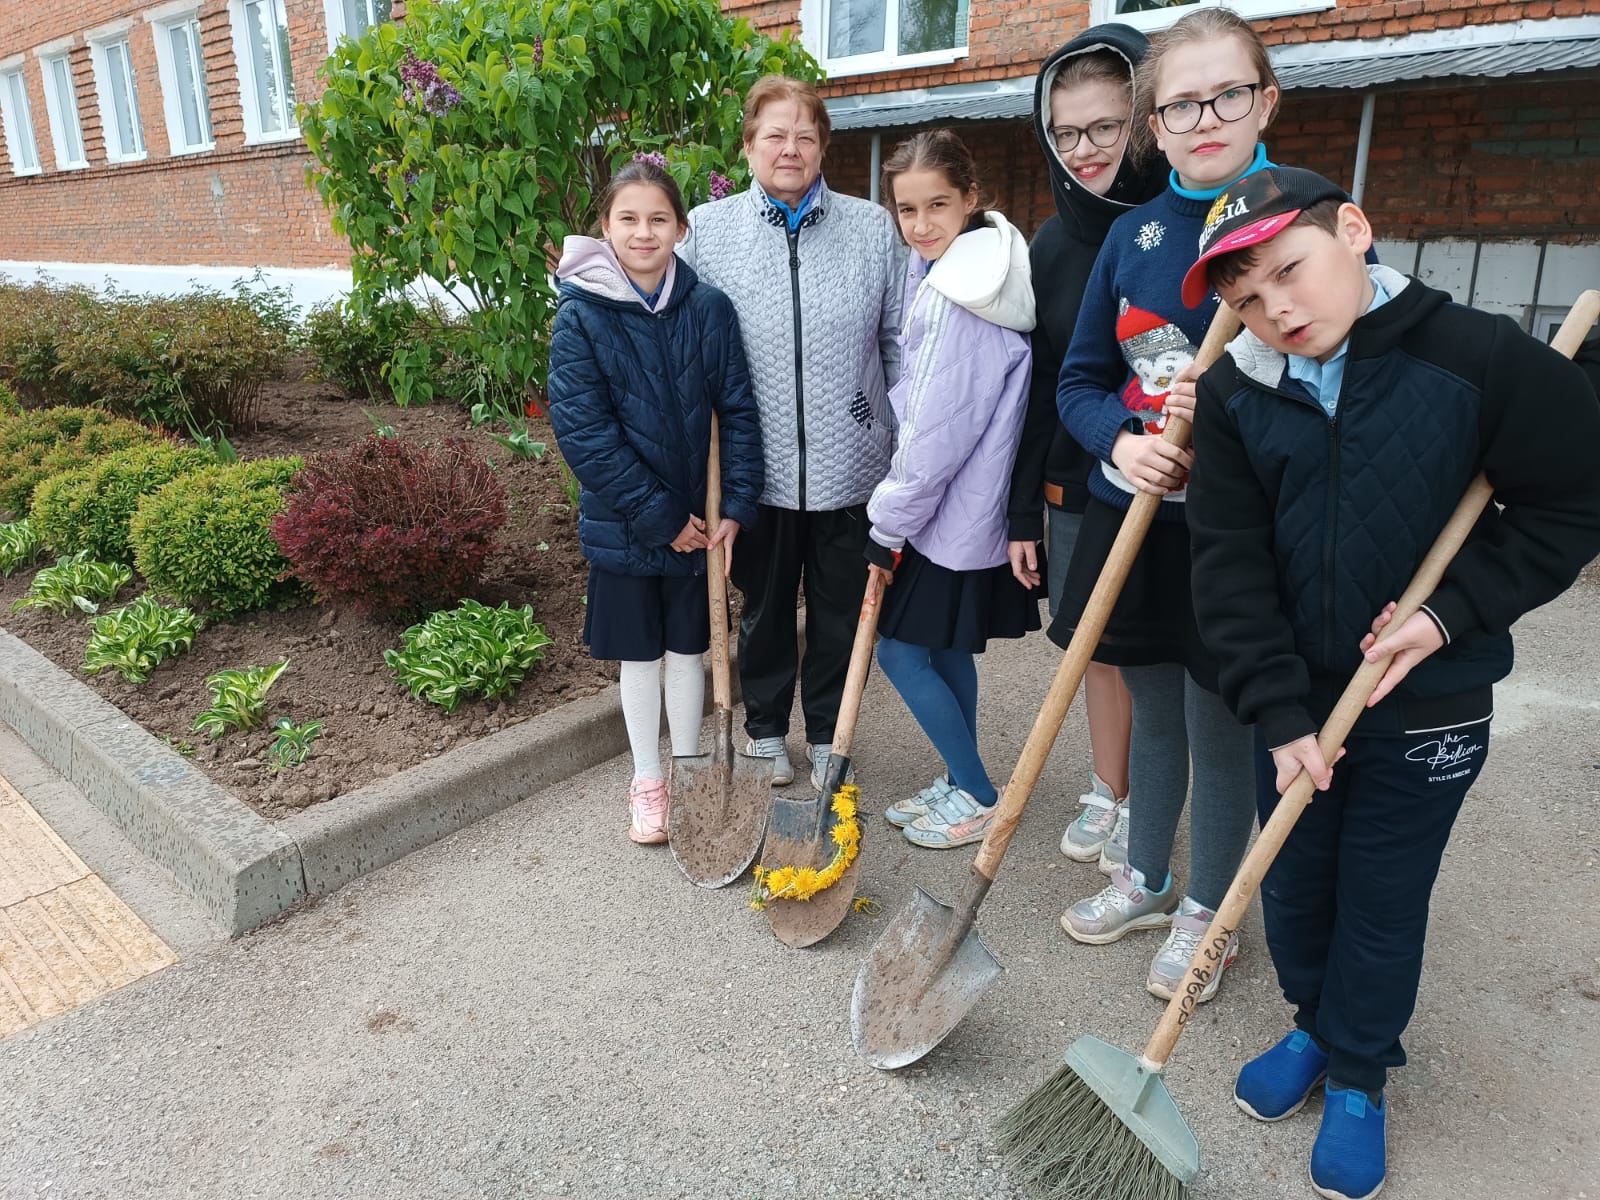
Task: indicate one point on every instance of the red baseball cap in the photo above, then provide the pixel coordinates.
(1255, 209)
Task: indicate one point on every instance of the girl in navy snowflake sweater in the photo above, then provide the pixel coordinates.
(1204, 94)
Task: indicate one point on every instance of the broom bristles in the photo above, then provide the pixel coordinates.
(1063, 1142)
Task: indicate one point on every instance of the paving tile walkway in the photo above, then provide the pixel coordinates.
(65, 937)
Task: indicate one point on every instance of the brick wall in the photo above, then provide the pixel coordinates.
(235, 205)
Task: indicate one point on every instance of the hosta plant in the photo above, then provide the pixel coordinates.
(469, 650)
(136, 638)
(291, 744)
(75, 582)
(238, 699)
(20, 544)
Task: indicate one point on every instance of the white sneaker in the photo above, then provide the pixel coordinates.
(1095, 824)
(819, 755)
(773, 748)
(1171, 964)
(1114, 854)
(1123, 905)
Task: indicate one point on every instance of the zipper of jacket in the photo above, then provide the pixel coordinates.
(1330, 517)
(799, 362)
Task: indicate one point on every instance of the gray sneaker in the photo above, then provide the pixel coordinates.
(1123, 905)
(773, 748)
(1114, 853)
(819, 765)
(1095, 824)
(902, 812)
(1171, 963)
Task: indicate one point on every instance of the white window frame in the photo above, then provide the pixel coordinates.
(163, 22)
(254, 131)
(333, 10)
(102, 42)
(1160, 18)
(16, 112)
(814, 37)
(62, 122)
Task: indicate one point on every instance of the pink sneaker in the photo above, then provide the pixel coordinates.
(647, 807)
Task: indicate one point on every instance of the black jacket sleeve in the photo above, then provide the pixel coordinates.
(1025, 509)
(1539, 425)
(1235, 576)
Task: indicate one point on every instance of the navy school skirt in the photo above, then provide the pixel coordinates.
(933, 606)
(636, 618)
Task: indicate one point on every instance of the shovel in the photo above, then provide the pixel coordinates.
(1106, 1115)
(799, 832)
(719, 800)
(929, 966)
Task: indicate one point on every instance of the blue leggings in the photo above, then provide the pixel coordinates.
(940, 687)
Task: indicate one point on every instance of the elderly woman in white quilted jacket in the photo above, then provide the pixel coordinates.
(817, 279)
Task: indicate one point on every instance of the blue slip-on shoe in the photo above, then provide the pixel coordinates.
(1277, 1084)
(1349, 1159)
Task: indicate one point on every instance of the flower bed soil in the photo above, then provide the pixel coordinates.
(336, 669)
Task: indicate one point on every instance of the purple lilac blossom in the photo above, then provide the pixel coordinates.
(422, 80)
(721, 186)
(651, 156)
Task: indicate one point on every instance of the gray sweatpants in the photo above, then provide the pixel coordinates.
(1175, 720)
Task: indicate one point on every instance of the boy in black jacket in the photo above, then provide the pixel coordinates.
(1331, 444)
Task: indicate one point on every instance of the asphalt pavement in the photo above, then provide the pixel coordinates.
(537, 1007)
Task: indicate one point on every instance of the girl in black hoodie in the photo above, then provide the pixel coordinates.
(1083, 102)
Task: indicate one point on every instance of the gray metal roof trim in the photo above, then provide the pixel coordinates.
(1478, 62)
(934, 108)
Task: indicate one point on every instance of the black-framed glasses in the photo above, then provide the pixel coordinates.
(1102, 133)
(1232, 105)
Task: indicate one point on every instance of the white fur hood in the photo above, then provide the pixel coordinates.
(986, 272)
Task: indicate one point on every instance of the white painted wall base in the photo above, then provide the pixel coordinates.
(1503, 277)
(308, 287)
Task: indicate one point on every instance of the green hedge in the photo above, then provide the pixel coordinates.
(89, 508)
(36, 445)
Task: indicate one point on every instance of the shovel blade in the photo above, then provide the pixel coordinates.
(913, 989)
(1140, 1099)
(719, 813)
(799, 835)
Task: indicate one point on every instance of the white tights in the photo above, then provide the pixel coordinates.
(641, 709)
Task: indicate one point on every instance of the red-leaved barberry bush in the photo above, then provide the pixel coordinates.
(391, 527)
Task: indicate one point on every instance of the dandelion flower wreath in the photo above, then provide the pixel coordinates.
(802, 883)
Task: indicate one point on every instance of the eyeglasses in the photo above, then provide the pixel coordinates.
(1232, 105)
(1102, 133)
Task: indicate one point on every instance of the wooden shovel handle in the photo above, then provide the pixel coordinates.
(1343, 718)
(716, 578)
(855, 680)
(1086, 636)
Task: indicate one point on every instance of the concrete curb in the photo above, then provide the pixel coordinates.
(243, 869)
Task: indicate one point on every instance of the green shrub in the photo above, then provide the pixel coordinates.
(48, 441)
(34, 318)
(136, 638)
(10, 406)
(353, 349)
(88, 508)
(20, 545)
(238, 699)
(75, 582)
(198, 359)
(206, 538)
(470, 650)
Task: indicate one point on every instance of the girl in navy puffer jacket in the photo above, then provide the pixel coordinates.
(641, 355)
(939, 518)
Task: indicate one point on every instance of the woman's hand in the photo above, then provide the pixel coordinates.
(726, 532)
(874, 571)
(1024, 562)
(1151, 464)
(691, 537)
(1303, 754)
(1181, 396)
(1405, 647)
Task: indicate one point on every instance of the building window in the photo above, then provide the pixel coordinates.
(183, 85)
(352, 18)
(61, 106)
(850, 37)
(119, 101)
(1158, 14)
(18, 119)
(261, 45)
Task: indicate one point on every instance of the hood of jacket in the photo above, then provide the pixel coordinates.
(986, 272)
(1086, 215)
(591, 264)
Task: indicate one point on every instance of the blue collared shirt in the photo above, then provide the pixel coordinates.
(1323, 380)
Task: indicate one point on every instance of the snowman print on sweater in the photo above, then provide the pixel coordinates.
(1155, 350)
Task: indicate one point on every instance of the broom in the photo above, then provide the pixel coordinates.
(1103, 1126)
